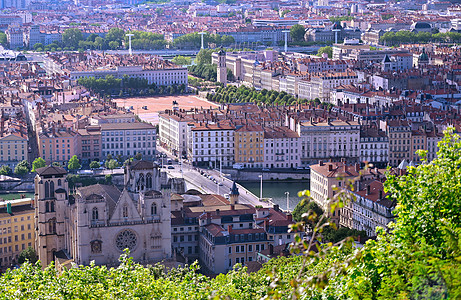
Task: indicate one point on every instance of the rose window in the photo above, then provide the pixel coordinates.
(126, 239)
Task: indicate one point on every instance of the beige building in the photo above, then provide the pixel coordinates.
(13, 148)
(249, 146)
(321, 85)
(16, 229)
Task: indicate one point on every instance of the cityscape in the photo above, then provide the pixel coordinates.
(230, 135)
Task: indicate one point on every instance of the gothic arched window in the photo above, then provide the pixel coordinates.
(51, 188)
(95, 214)
(52, 206)
(59, 182)
(125, 211)
(47, 189)
(153, 209)
(149, 181)
(52, 225)
(47, 206)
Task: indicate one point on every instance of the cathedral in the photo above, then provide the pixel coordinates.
(98, 222)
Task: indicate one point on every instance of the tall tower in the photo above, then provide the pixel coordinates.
(234, 194)
(222, 69)
(51, 195)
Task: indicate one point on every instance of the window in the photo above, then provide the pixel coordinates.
(153, 209)
(95, 214)
(52, 226)
(125, 211)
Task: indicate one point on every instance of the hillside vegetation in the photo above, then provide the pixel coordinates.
(420, 259)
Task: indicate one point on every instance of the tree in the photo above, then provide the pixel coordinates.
(3, 39)
(297, 32)
(56, 164)
(38, 163)
(71, 37)
(74, 163)
(22, 168)
(327, 49)
(204, 57)
(5, 170)
(29, 255)
(115, 34)
(94, 165)
(138, 156)
(111, 164)
(181, 60)
(309, 208)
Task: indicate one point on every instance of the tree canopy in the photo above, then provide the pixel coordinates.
(327, 49)
(74, 163)
(38, 163)
(297, 32)
(22, 168)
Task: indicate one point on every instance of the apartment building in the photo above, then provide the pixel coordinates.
(374, 146)
(58, 144)
(89, 143)
(14, 143)
(325, 139)
(369, 209)
(173, 132)
(128, 139)
(249, 146)
(399, 134)
(432, 139)
(16, 230)
(15, 37)
(418, 142)
(211, 145)
(320, 86)
(282, 148)
(327, 178)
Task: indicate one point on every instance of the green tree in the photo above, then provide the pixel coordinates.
(71, 37)
(38, 46)
(307, 208)
(38, 163)
(138, 156)
(3, 39)
(327, 49)
(111, 164)
(94, 165)
(56, 164)
(22, 168)
(5, 170)
(74, 163)
(115, 34)
(29, 255)
(203, 57)
(181, 60)
(297, 32)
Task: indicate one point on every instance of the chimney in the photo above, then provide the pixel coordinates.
(276, 207)
(380, 194)
(290, 217)
(321, 163)
(229, 228)
(330, 167)
(266, 224)
(357, 167)
(368, 189)
(232, 206)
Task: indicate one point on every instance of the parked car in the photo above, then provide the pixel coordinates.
(170, 167)
(266, 170)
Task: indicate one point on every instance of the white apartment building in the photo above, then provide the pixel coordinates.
(211, 145)
(128, 139)
(328, 139)
(320, 86)
(397, 62)
(15, 37)
(369, 210)
(374, 146)
(173, 132)
(282, 148)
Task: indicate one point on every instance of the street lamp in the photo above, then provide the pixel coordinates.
(261, 188)
(288, 200)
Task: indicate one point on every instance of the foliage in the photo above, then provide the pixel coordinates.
(193, 40)
(204, 57)
(284, 13)
(22, 168)
(138, 156)
(111, 164)
(327, 49)
(71, 37)
(387, 16)
(243, 94)
(182, 60)
(29, 255)
(205, 71)
(5, 170)
(38, 163)
(94, 165)
(146, 40)
(3, 39)
(297, 32)
(303, 207)
(108, 179)
(74, 163)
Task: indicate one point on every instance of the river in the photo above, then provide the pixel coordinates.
(276, 190)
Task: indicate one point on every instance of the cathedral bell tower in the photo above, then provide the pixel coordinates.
(51, 196)
(222, 69)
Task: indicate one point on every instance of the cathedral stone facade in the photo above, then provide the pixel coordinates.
(97, 222)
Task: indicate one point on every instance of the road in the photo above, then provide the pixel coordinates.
(204, 184)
